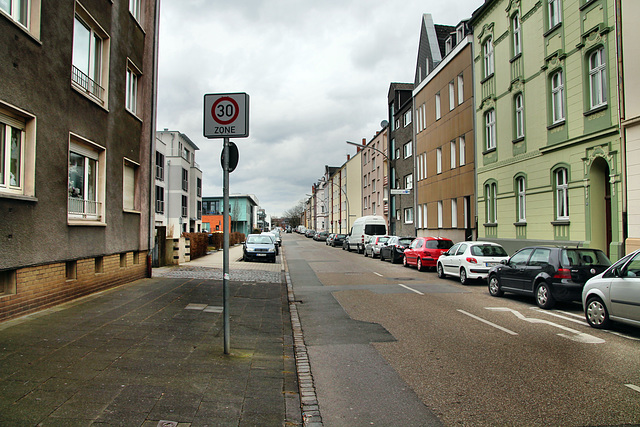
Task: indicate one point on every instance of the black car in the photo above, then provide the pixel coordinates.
(394, 249)
(338, 240)
(548, 273)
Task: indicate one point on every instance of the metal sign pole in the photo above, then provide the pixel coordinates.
(225, 245)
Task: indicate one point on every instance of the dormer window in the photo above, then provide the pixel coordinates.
(459, 33)
(448, 45)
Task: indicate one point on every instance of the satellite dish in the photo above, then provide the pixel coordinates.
(384, 124)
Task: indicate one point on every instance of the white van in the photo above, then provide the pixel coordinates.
(364, 227)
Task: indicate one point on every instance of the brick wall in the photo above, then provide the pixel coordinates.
(47, 285)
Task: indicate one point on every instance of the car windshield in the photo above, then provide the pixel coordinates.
(438, 244)
(257, 240)
(383, 239)
(576, 257)
(488, 250)
(405, 241)
(340, 236)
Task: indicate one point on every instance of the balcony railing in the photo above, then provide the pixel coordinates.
(84, 209)
(517, 68)
(85, 82)
(488, 87)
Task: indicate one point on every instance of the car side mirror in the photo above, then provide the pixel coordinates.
(504, 261)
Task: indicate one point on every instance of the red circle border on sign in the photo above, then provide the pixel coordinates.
(219, 100)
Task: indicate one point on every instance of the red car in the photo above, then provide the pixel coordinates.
(425, 251)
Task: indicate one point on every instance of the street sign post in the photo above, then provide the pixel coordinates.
(399, 191)
(226, 115)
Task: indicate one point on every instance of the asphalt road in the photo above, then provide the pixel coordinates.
(389, 345)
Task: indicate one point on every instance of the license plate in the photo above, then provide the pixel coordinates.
(491, 264)
(261, 254)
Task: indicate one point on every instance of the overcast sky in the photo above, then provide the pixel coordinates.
(317, 74)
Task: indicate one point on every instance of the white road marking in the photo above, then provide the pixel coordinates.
(633, 387)
(577, 335)
(581, 322)
(488, 323)
(378, 274)
(412, 290)
(551, 313)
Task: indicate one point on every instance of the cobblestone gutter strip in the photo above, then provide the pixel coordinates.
(308, 399)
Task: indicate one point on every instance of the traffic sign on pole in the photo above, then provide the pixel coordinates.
(226, 115)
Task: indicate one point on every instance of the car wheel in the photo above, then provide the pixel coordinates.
(381, 257)
(596, 313)
(544, 299)
(463, 276)
(440, 271)
(495, 290)
(365, 253)
(404, 261)
(419, 264)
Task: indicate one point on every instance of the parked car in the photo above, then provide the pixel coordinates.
(273, 238)
(614, 295)
(329, 239)
(425, 251)
(259, 246)
(309, 233)
(276, 235)
(548, 273)
(374, 244)
(470, 260)
(363, 228)
(321, 236)
(394, 249)
(338, 240)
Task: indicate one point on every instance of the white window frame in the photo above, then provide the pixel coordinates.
(438, 114)
(491, 203)
(129, 185)
(452, 96)
(460, 89)
(89, 209)
(487, 50)
(408, 181)
(159, 200)
(134, 8)
(597, 78)
(448, 45)
(555, 13)
(440, 214)
(521, 188)
(407, 118)
(439, 160)
(424, 216)
(452, 147)
(408, 215)
(407, 149)
(454, 213)
(25, 14)
(517, 34)
(557, 97)
(462, 150)
(132, 84)
(562, 193)
(519, 115)
(490, 129)
(12, 121)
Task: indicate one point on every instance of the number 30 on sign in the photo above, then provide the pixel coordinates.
(226, 115)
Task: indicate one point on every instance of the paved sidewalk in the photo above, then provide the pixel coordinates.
(151, 353)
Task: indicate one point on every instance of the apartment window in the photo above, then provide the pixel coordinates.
(134, 8)
(90, 56)
(408, 182)
(440, 213)
(521, 200)
(437, 106)
(424, 216)
(554, 13)
(185, 179)
(199, 187)
(159, 166)
(439, 160)
(460, 89)
(453, 154)
(18, 10)
(398, 217)
(517, 35)
(129, 184)
(597, 78)
(452, 96)
(490, 129)
(397, 123)
(184, 206)
(562, 193)
(373, 185)
(407, 118)
(373, 208)
(407, 149)
(131, 97)
(557, 97)
(199, 209)
(448, 44)
(392, 148)
(462, 150)
(487, 49)
(159, 199)
(86, 180)
(491, 204)
(11, 154)
(454, 213)
(519, 112)
(408, 215)
(459, 33)
(419, 216)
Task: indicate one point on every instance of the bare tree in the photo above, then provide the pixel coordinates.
(293, 215)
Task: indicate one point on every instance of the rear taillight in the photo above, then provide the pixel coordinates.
(471, 260)
(562, 273)
(363, 238)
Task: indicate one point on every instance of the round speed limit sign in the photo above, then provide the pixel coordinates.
(225, 110)
(226, 115)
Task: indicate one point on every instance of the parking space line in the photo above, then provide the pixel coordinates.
(412, 290)
(488, 323)
(378, 274)
(551, 313)
(633, 387)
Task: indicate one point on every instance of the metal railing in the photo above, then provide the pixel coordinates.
(85, 82)
(85, 209)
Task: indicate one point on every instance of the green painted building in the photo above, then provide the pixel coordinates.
(546, 121)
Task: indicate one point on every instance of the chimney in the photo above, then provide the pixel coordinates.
(364, 141)
(349, 156)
